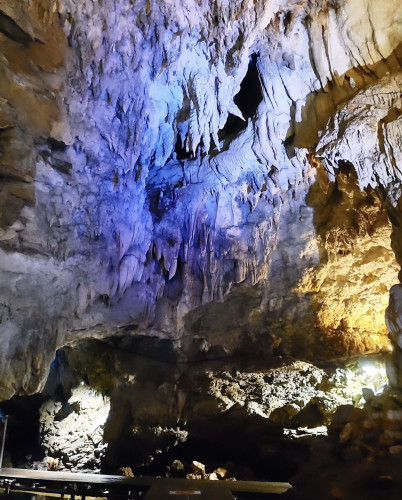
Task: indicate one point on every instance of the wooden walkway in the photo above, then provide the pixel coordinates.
(71, 485)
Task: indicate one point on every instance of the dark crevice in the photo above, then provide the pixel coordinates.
(54, 153)
(56, 145)
(346, 167)
(181, 153)
(6, 177)
(250, 94)
(23, 437)
(247, 100)
(11, 29)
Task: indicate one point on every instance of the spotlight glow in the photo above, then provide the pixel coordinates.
(370, 370)
(374, 375)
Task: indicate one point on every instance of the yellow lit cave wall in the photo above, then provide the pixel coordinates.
(349, 289)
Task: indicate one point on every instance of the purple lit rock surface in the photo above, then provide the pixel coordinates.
(129, 206)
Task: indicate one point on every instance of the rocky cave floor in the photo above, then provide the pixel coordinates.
(332, 431)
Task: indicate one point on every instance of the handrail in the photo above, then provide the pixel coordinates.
(82, 485)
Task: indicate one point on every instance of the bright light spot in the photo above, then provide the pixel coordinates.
(374, 375)
(82, 383)
(367, 372)
(306, 431)
(370, 370)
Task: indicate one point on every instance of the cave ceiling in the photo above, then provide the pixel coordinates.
(223, 175)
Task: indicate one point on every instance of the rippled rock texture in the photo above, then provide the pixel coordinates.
(136, 201)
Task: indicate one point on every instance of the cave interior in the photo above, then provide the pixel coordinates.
(201, 243)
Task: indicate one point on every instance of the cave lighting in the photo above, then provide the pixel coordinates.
(374, 375)
(370, 369)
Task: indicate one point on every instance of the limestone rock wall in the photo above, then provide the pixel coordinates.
(127, 207)
(162, 408)
(72, 431)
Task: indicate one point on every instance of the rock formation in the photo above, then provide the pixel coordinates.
(161, 408)
(131, 203)
(83, 417)
(197, 182)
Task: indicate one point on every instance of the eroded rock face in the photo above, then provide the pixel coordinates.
(72, 431)
(162, 410)
(349, 289)
(360, 443)
(128, 208)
